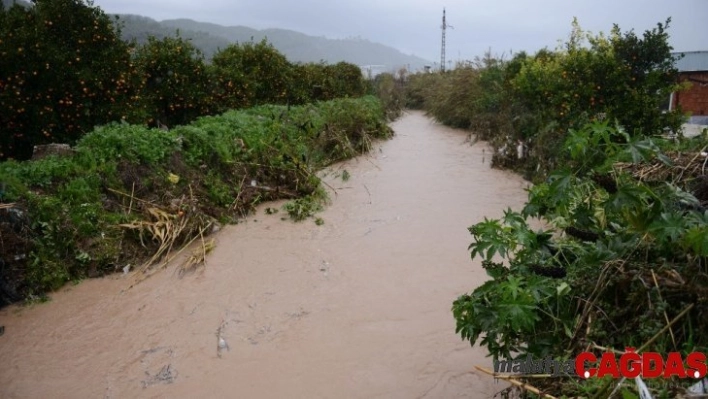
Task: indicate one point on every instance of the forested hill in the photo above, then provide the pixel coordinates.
(299, 47)
(140, 28)
(296, 46)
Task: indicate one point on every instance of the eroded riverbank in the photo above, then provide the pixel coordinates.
(357, 307)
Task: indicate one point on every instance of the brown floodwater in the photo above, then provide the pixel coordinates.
(356, 308)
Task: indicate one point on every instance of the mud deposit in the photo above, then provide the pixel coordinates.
(356, 308)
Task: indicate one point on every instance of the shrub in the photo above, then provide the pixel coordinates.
(537, 99)
(250, 74)
(619, 214)
(174, 85)
(343, 79)
(391, 93)
(64, 70)
(620, 78)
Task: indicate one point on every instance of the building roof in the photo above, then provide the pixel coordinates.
(692, 61)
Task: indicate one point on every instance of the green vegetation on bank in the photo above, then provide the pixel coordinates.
(536, 99)
(624, 248)
(624, 252)
(129, 193)
(391, 91)
(165, 144)
(64, 69)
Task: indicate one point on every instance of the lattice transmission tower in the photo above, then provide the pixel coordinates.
(442, 50)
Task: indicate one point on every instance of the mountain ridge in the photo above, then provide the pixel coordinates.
(296, 46)
(300, 47)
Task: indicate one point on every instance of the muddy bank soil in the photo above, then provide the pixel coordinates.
(358, 307)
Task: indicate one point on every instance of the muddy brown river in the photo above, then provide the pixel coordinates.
(356, 308)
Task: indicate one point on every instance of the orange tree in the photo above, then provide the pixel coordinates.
(321, 82)
(306, 83)
(343, 79)
(250, 74)
(173, 83)
(63, 70)
(622, 78)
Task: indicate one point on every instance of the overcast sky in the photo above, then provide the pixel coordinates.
(413, 26)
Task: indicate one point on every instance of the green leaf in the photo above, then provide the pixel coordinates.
(627, 394)
(643, 150)
(577, 143)
(519, 316)
(489, 240)
(669, 227)
(567, 331)
(682, 196)
(513, 286)
(664, 159)
(561, 184)
(627, 196)
(513, 218)
(696, 238)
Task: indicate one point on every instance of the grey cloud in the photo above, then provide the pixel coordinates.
(414, 26)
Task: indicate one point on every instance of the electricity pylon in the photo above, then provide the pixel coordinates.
(442, 50)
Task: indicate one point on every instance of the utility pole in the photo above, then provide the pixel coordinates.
(442, 50)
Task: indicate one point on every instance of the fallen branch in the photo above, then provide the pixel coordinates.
(605, 349)
(516, 382)
(169, 258)
(234, 204)
(131, 197)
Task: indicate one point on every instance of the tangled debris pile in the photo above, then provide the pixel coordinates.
(687, 169)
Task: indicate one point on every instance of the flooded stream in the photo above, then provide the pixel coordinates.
(356, 308)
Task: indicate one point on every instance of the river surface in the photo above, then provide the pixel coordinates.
(356, 308)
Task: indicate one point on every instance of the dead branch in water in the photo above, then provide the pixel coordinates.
(167, 230)
(198, 257)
